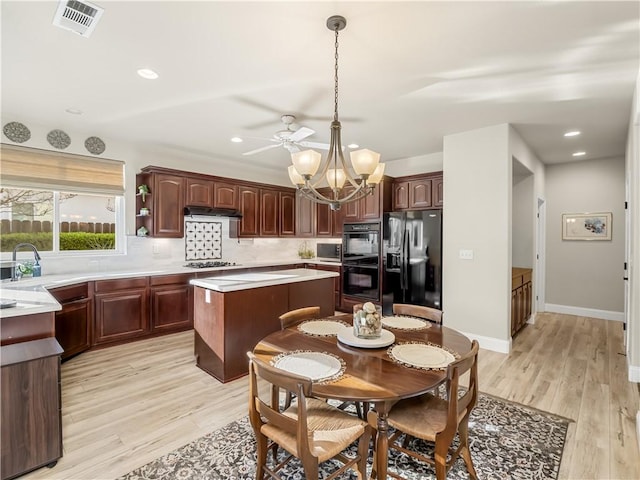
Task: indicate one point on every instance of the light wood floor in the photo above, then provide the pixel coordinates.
(125, 406)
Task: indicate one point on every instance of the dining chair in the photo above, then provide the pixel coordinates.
(437, 420)
(311, 430)
(419, 311)
(299, 315)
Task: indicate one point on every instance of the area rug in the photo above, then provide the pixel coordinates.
(507, 441)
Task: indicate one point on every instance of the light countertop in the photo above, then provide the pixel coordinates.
(246, 281)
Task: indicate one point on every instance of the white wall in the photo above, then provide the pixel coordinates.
(585, 274)
(523, 225)
(414, 165)
(477, 216)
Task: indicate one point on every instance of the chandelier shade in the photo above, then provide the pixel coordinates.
(309, 174)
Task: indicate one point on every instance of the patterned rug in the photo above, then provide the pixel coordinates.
(507, 441)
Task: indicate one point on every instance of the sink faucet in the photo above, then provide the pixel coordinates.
(36, 255)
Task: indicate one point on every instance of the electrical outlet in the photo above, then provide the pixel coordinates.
(466, 254)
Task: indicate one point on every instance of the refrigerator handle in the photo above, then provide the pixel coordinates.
(404, 269)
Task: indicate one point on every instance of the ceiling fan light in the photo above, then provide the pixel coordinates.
(295, 177)
(364, 161)
(336, 178)
(376, 176)
(306, 162)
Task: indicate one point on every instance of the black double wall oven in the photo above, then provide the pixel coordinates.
(361, 261)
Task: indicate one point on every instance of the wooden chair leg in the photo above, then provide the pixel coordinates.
(440, 457)
(261, 446)
(363, 452)
(463, 430)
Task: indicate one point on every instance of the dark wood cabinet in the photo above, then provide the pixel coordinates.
(269, 212)
(305, 216)
(199, 192)
(521, 298)
(74, 321)
(324, 220)
(287, 216)
(225, 195)
(171, 300)
(337, 281)
(418, 192)
(121, 310)
(165, 202)
(249, 206)
(31, 406)
(369, 208)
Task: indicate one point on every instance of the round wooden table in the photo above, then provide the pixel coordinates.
(371, 375)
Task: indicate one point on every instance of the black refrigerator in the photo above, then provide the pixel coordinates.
(412, 259)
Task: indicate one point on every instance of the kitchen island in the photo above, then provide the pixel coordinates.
(233, 312)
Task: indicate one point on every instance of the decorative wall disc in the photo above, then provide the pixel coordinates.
(16, 132)
(94, 145)
(58, 139)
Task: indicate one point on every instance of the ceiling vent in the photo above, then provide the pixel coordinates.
(78, 17)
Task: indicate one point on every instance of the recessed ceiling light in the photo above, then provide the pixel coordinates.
(236, 139)
(73, 111)
(579, 154)
(147, 73)
(353, 145)
(573, 133)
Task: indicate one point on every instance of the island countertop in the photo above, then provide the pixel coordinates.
(246, 281)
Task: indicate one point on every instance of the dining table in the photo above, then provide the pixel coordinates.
(377, 371)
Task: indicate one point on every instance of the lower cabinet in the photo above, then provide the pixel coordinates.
(337, 281)
(521, 298)
(74, 321)
(121, 310)
(31, 407)
(171, 299)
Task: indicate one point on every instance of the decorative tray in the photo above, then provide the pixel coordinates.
(401, 322)
(347, 337)
(318, 366)
(322, 328)
(422, 355)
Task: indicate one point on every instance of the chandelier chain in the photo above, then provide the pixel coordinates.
(335, 80)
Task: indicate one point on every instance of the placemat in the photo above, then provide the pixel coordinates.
(321, 367)
(322, 328)
(425, 356)
(402, 322)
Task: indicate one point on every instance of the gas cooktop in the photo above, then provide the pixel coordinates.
(210, 264)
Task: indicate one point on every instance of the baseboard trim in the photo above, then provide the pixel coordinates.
(634, 375)
(490, 343)
(585, 312)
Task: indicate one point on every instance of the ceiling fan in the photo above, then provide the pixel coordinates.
(290, 139)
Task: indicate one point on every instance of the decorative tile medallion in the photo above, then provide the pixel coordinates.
(16, 132)
(203, 240)
(58, 139)
(94, 145)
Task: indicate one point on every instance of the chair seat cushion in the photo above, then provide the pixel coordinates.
(421, 417)
(331, 430)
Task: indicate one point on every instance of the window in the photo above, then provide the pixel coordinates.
(60, 203)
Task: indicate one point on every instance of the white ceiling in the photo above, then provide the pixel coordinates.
(410, 73)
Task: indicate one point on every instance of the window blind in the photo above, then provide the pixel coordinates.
(33, 168)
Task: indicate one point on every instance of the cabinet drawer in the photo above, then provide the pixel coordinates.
(178, 279)
(120, 284)
(70, 293)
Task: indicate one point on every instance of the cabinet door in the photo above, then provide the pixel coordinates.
(400, 195)
(168, 210)
(73, 327)
(226, 195)
(199, 192)
(350, 212)
(287, 218)
(305, 216)
(249, 207)
(324, 220)
(337, 282)
(120, 315)
(269, 213)
(370, 205)
(420, 193)
(437, 185)
(171, 307)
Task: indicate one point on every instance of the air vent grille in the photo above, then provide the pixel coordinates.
(78, 17)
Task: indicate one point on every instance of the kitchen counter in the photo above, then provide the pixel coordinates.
(30, 299)
(246, 281)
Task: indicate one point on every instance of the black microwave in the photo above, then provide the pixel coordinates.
(330, 252)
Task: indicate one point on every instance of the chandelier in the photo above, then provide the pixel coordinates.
(364, 173)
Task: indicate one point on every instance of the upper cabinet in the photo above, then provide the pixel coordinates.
(226, 195)
(160, 213)
(249, 205)
(199, 192)
(287, 217)
(418, 192)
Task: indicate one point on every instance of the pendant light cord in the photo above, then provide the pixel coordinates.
(335, 80)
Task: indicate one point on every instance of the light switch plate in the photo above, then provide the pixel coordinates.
(466, 254)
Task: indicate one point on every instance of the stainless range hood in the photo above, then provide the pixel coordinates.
(211, 212)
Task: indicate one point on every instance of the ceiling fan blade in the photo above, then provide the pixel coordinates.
(302, 132)
(321, 146)
(262, 149)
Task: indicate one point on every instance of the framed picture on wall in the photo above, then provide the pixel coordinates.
(586, 226)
